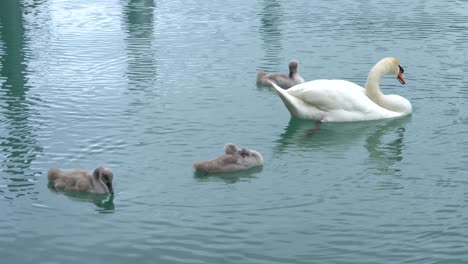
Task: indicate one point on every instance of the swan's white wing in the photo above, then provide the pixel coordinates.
(329, 95)
(331, 101)
(338, 100)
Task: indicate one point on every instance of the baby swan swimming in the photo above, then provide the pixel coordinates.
(283, 80)
(99, 182)
(234, 159)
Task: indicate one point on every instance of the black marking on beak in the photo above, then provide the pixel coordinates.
(401, 69)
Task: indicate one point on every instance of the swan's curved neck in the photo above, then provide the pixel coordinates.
(393, 103)
(373, 82)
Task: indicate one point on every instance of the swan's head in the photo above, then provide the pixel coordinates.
(293, 66)
(394, 67)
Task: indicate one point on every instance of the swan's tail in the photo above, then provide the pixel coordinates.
(289, 101)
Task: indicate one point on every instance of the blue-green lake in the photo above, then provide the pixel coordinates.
(148, 87)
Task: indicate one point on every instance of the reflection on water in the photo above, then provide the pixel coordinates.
(18, 144)
(383, 140)
(104, 202)
(229, 177)
(270, 31)
(138, 21)
(385, 146)
(297, 135)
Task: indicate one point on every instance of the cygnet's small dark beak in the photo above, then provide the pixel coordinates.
(109, 186)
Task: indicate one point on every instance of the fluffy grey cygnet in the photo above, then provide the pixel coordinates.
(234, 159)
(99, 182)
(283, 80)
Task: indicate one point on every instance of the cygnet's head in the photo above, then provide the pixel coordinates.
(104, 176)
(230, 148)
(293, 66)
(244, 152)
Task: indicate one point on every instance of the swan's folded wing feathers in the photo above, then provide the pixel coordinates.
(329, 95)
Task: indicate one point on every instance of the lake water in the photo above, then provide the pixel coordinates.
(148, 87)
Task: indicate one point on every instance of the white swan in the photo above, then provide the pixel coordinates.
(344, 101)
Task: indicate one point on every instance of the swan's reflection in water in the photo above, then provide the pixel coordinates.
(104, 202)
(228, 177)
(297, 134)
(385, 147)
(383, 140)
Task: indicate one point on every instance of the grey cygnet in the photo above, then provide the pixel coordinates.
(99, 182)
(283, 80)
(234, 159)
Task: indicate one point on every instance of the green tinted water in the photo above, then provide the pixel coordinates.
(148, 87)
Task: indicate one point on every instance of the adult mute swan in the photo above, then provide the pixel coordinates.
(284, 80)
(344, 101)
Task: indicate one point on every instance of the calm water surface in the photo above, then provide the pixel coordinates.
(148, 87)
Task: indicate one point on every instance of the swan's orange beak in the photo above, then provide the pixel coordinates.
(400, 78)
(400, 75)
